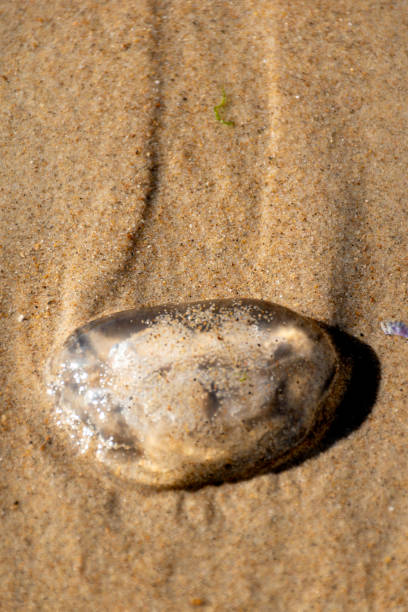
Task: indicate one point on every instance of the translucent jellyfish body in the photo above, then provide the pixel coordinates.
(210, 391)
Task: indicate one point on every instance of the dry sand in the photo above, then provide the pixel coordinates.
(120, 189)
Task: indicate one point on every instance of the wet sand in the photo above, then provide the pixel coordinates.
(120, 189)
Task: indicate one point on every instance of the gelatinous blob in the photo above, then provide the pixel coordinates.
(195, 393)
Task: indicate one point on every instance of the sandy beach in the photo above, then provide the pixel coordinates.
(120, 189)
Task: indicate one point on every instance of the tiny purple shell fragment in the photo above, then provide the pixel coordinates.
(395, 328)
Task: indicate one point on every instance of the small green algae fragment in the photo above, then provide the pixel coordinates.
(221, 106)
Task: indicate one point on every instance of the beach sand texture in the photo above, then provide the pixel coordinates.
(120, 189)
